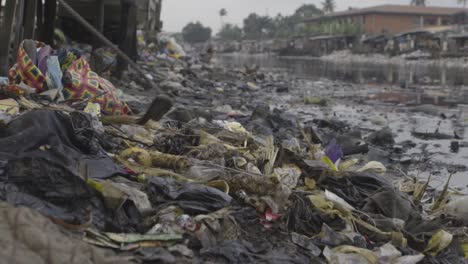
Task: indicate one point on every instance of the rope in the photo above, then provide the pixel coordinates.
(108, 43)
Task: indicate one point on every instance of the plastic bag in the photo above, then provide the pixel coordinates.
(191, 197)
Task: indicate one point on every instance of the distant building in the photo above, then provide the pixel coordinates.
(391, 19)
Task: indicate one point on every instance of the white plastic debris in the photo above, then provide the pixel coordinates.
(335, 198)
(373, 166)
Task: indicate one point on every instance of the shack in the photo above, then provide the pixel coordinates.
(323, 45)
(118, 20)
(373, 44)
(459, 45)
(225, 46)
(249, 46)
(410, 41)
(318, 45)
(108, 16)
(36, 19)
(293, 47)
(280, 44)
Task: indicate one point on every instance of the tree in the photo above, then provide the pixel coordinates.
(222, 13)
(230, 32)
(284, 26)
(306, 11)
(287, 26)
(328, 6)
(419, 2)
(462, 2)
(256, 27)
(196, 33)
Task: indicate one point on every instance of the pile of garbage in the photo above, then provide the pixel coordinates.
(84, 179)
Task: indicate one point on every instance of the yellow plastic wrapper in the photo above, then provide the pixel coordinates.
(93, 109)
(9, 106)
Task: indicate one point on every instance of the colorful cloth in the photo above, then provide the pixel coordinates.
(82, 84)
(86, 84)
(26, 71)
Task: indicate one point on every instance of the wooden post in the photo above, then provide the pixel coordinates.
(30, 19)
(19, 30)
(50, 10)
(40, 20)
(100, 13)
(158, 16)
(98, 21)
(6, 32)
(128, 38)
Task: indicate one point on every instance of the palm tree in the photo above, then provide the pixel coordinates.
(419, 2)
(222, 13)
(328, 6)
(462, 2)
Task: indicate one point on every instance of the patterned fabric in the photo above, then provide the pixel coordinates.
(86, 84)
(66, 58)
(82, 84)
(26, 71)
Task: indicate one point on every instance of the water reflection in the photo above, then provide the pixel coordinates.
(423, 84)
(408, 74)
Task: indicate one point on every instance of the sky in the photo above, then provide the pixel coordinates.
(177, 13)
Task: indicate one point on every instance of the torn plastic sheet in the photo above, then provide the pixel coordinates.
(51, 135)
(191, 197)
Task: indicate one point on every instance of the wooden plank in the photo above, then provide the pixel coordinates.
(30, 19)
(6, 33)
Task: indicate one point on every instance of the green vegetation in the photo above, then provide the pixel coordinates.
(287, 26)
(329, 6)
(418, 2)
(196, 33)
(230, 32)
(332, 28)
(258, 27)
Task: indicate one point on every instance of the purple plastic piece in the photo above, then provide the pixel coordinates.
(333, 151)
(42, 56)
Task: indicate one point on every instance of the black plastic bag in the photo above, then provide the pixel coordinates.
(45, 158)
(237, 251)
(51, 135)
(191, 197)
(50, 189)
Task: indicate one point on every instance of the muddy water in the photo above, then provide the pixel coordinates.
(314, 68)
(374, 96)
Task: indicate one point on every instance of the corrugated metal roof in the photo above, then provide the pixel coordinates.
(329, 37)
(395, 9)
(459, 36)
(413, 32)
(380, 37)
